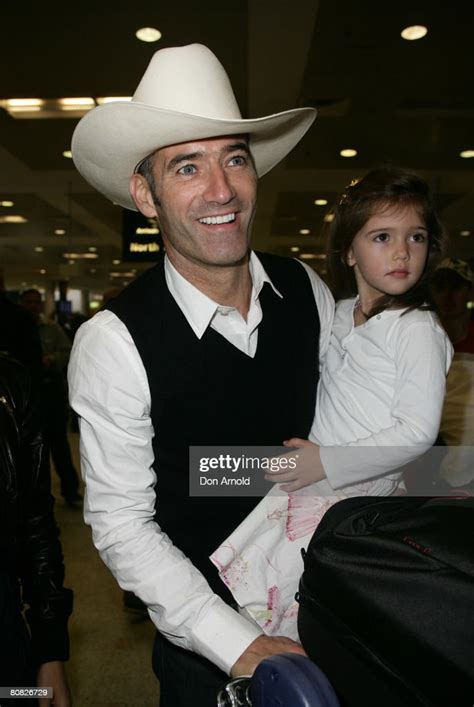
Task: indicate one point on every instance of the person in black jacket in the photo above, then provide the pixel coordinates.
(31, 561)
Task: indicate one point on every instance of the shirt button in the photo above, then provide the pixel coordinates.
(379, 316)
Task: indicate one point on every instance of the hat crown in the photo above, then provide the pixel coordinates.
(189, 80)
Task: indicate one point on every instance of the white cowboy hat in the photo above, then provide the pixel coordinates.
(184, 95)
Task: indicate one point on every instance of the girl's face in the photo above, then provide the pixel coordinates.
(389, 253)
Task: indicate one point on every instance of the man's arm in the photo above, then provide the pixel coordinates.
(109, 390)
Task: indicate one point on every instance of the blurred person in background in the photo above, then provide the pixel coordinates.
(19, 336)
(31, 567)
(452, 288)
(56, 348)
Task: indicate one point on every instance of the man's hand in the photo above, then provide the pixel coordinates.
(261, 648)
(307, 469)
(53, 675)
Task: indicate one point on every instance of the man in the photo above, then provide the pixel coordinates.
(451, 289)
(56, 348)
(30, 550)
(213, 346)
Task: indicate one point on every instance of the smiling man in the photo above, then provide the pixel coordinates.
(201, 349)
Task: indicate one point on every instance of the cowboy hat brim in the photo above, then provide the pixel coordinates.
(110, 141)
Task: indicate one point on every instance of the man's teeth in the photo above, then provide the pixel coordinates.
(217, 219)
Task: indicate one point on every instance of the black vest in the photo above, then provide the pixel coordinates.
(207, 392)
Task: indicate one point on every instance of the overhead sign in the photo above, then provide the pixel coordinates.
(141, 238)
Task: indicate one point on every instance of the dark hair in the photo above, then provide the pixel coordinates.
(145, 168)
(379, 189)
(30, 291)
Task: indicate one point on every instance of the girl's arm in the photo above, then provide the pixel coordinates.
(422, 355)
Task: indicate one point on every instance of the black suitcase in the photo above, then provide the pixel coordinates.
(387, 601)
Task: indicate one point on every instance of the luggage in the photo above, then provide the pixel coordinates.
(283, 680)
(387, 601)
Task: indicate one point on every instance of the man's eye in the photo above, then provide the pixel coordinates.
(187, 169)
(237, 160)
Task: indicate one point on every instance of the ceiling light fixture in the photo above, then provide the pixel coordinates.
(320, 202)
(148, 34)
(295, 249)
(60, 232)
(7, 204)
(43, 272)
(39, 249)
(348, 152)
(24, 102)
(77, 102)
(328, 218)
(112, 99)
(307, 256)
(464, 233)
(67, 154)
(81, 256)
(115, 262)
(467, 154)
(304, 231)
(92, 249)
(13, 219)
(414, 32)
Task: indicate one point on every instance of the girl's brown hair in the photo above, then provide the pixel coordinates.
(380, 189)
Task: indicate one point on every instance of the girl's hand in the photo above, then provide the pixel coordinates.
(306, 468)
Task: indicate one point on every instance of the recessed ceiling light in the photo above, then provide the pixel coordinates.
(464, 233)
(81, 256)
(13, 219)
(295, 249)
(60, 231)
(17, 102)
(71, 262)
(92, 249)
(68, 154)
(320, 202)
(148, 34)
(115, 262)
(348, 152)
(328, 218)
(43, 272)
(92, 271)
(304, 231)
(307, 256)
(112, 99)
(77, 102)
(467, 154)
(7, 204)
(39, 249)
(414, 32)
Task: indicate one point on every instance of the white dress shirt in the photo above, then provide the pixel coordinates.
(380, 395)
(109, 391)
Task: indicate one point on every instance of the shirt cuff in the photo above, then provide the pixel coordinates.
(222, 635)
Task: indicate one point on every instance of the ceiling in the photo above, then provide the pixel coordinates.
(405, 103)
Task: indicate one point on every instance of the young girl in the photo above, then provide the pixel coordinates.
(380, 394)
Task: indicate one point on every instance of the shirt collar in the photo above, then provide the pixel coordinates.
(198, 308)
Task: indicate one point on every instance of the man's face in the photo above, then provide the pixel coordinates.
(32, 302)
(451, 293)
(207, 193)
